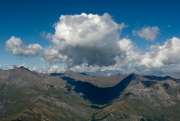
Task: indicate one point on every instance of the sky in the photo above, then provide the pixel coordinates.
(123, 35)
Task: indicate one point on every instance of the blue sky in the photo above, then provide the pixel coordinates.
(142, 19)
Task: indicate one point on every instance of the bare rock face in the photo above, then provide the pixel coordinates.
(27, 96)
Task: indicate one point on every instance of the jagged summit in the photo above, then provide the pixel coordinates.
(15, 68)
(134, 75)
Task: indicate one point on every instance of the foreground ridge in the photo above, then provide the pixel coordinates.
(27, 96)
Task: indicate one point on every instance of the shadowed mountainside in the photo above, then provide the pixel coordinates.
(100, 81)
(98, 95)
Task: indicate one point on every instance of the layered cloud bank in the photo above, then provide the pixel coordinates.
(88, 42)
(160, 55)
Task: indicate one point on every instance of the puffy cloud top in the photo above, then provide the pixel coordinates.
(125, 44)
(162, 55)
(15, 46)
(91, 42)
(147, 32)
(85, 38)
(85, 29)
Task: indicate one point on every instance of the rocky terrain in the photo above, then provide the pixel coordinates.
(71, 96)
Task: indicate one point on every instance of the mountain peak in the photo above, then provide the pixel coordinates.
(69, 73)
(134, 74)
(23, 68)
(19, 67)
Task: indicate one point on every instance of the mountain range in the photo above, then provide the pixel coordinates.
(30, 96)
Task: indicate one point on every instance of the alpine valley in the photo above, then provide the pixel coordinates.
(30, 96)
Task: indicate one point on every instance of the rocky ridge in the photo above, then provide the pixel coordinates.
(27, 96)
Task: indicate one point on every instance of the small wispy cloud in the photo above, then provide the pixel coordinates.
(147, 32)
(46, 35)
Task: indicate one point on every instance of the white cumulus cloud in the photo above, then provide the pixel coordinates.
(129, 51)
(89, 38)
(15, 45)
(160, 55)
(147, 32)
(91, 42)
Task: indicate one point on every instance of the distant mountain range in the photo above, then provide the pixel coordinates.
(71, 96)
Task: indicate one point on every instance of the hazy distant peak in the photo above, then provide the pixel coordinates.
(21, 68)
(69, 73)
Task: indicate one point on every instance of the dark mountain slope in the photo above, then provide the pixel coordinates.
(99, 95)
(100, 81)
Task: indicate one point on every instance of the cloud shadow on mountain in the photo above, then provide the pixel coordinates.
(98, 95)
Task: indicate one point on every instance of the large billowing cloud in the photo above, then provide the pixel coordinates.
(147, 32)
(132, 59)
(159, 56)
(15, 45)
(89, 38)
(91, 42)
